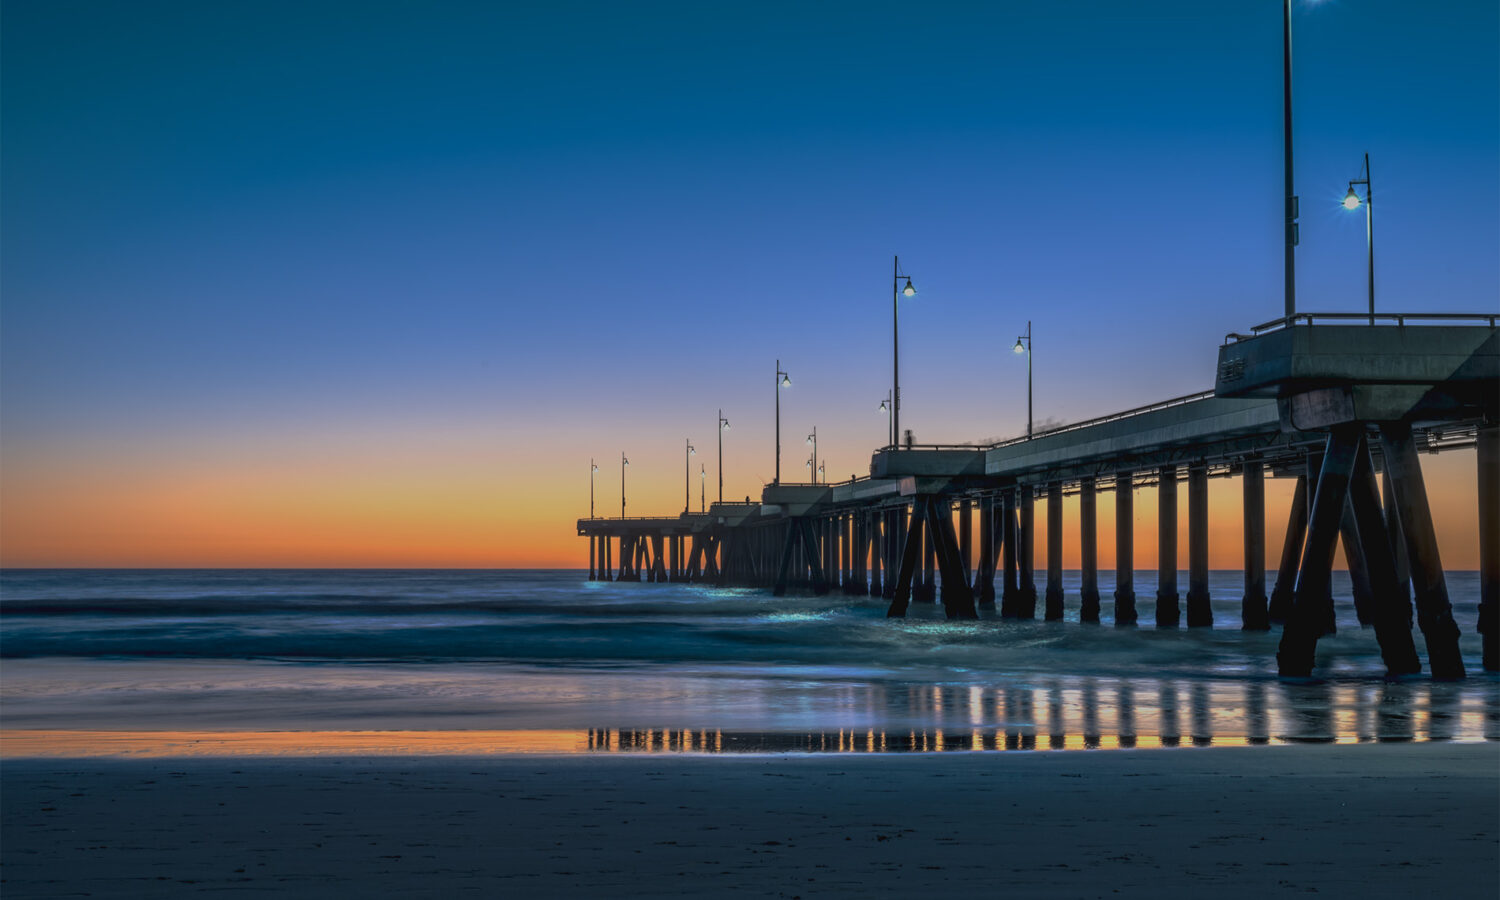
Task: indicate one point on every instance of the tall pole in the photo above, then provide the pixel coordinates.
(1290, 266)
(592, 469)
(813, 463)
(702, 488)
(687, 472)
(623, 463)
(778, 423)
(723, 424)
(895, 354)
(1370, 235)
(1028, 379)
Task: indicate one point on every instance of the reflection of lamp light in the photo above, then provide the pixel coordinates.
(1351, 201)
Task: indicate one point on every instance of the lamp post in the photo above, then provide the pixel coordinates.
(896, 291)
(702, 488)
(592, 469)
(1026, 349)
(723, 427)
(687, 472)
(1290, 237)
(812, 439)
(782, 380)
(623, 463)
(885, 407)
(1352, 201)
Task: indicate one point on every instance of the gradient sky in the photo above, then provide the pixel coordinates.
(325, 284)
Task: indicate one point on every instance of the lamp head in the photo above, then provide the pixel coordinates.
(885, 408)
(1351, 199)
(692, 451)
(725, 423)
(786, 380)
(1018, 347)
(594, 467)
(908, 290)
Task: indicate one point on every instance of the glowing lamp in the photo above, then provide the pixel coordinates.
(908, 290)
(1351, 199)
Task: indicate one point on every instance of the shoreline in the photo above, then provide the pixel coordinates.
(1397, 819)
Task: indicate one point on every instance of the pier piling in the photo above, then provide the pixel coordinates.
(1124, 549)
(1200, 613)
(1168, 612)
(1253, 613)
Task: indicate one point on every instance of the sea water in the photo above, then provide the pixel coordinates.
(605, 666)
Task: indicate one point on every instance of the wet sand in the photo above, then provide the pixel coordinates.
(1366, 820)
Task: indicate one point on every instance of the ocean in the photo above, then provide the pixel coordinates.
(161, 661)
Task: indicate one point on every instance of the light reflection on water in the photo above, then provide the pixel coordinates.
(1067, 714)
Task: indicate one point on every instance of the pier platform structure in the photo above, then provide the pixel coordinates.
(1331, 400)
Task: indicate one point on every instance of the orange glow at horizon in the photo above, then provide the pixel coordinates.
(435, 501)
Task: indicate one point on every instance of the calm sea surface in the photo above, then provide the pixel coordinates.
(603, 666)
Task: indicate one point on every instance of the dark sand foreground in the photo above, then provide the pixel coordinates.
(1342, 821)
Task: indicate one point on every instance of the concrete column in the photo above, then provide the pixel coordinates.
(1359, 574)
(1011, 590)
(1308, 619)
(877, 551)
(1488, 452)
(1291, 553)
(592, 548)
(672, 547)
(1390, 612)
(928, 593)
(1054, 551)
(1124, 548)
(1434, 612)
(985, 584)
(1168, 608)
(1397, 539)
(1253, 614)
(1199, 612)
(1026, 602)
(607, 573)
(1088, 540)
(965, 544)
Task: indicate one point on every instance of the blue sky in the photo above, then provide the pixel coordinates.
(574, 228)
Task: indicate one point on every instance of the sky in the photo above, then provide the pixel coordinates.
(317, 284)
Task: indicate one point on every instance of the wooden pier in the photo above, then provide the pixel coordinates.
(1313, 397)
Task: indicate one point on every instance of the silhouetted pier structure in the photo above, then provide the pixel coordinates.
(1311, 396)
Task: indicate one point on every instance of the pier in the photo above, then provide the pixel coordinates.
(1332, 400)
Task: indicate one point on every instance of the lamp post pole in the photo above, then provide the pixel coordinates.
(885, 407)
(1290, 265)
(782, 380)
(896, 291)
(723, 427)
(813, 440)
(1027, 350)
(702, 488)
(623, 463)
(592, 469)
(1351, 201)
(687, 473)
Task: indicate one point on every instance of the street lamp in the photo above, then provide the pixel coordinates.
(782, 380)
(896, 291)
(1025, 348)
(885, 407)
(687, 471)
(812, 440)
(723, 427)
(592, 469)
(623, 463)
(1352, 202)
(1289, 266)
(702, 488)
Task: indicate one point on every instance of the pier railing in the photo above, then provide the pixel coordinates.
(1347, 318)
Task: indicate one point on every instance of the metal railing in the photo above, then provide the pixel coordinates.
(1398, 319)
(1115, 417)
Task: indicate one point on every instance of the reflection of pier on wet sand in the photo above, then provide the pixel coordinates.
(1343, 408)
